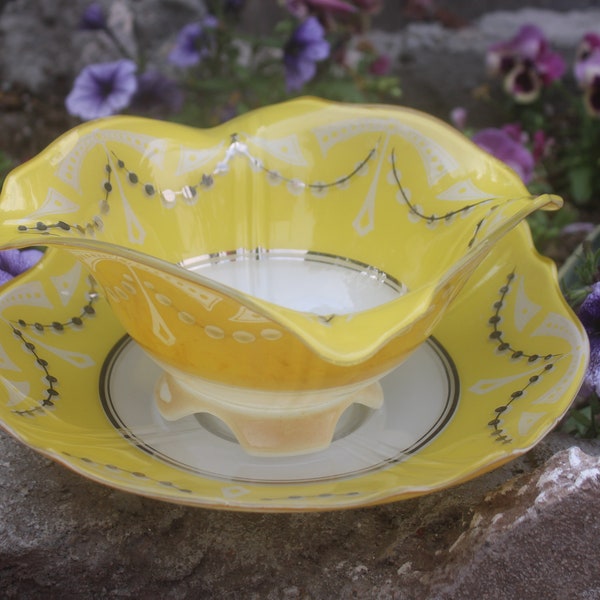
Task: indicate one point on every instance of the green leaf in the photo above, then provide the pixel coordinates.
(6, 164)
(581, 183)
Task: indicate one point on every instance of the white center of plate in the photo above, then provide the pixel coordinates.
(420, 398)
(301, 280)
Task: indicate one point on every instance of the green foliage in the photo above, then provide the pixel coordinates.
(569, 164)
(224, 70)
(6, 164)
(244, 72)
(546, 226)
(583, 420)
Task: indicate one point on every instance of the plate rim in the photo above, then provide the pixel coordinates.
(389, 494)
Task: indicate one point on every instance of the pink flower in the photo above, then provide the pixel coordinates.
(507, 145)
(526, 63)
(589, 43)
(587, 63)
(458, 117)
(542, 145)
(381, 65)
(587, 72)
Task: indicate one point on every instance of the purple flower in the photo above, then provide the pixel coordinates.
(459, 116)
(306, 46)
(102, 89)
(592, 99)
(527, 43)
(193, 43)
(589, 315)
(234, 6)
(93, 17)
(589, 44)
(587, 69)
(506, 146)
(15, 262)
(381, 65)
(523, 83)
(526, 63)
(542, 145)
(578, 228)
(587, 72)
(157, 93)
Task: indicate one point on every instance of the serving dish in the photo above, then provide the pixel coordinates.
(278, 266)
(500, 369)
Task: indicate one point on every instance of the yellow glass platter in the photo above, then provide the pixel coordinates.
(278, 266)
(500, 370)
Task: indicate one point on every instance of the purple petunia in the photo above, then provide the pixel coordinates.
(234, 6)
(15, 262)
(93, 18)
(193, 43)
(459, 116)
(157, 92)
(303, 50)
(526, 63)
(102, 89)
(505, 144)
(589, 315)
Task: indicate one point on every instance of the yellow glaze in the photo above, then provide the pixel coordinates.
(386, 187)
(72, 426)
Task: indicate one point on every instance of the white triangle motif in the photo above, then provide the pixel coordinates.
(54, 204)
(66, 283)
(527, 421)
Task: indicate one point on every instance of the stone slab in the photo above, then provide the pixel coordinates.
(527, 526)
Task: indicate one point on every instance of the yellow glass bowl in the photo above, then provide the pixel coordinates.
(277, 266)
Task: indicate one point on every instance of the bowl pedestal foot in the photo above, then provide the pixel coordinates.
(266, 423)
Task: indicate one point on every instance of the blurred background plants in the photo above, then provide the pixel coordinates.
(580, 281)
(551, 138)
(550, 132)
(6, 164)
(215, 70)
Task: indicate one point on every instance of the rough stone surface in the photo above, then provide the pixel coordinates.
(42, 51)
(527, 530)
(42, 46)
(528, 537)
